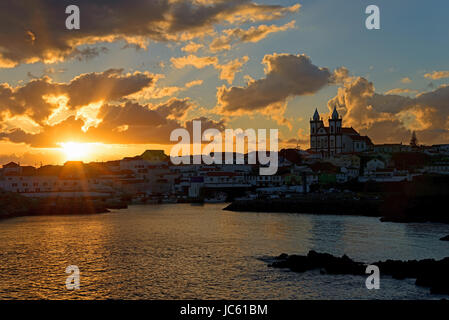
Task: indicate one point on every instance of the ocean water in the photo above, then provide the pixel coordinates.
(184, 251)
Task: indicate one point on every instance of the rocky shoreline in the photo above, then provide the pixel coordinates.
(14, 205)
(428, 273)
(389, 208)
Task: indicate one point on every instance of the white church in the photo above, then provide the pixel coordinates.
(335, 139)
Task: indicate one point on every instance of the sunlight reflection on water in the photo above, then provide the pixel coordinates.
(201, 252)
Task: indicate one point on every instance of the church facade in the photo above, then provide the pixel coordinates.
(335, 139)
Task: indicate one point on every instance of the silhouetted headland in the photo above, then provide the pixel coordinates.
(14, 205)
(428, 273)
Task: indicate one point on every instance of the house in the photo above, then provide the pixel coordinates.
(374, 165)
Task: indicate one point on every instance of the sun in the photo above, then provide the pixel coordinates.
(75, 151)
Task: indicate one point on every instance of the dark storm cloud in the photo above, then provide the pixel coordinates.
(34, 30)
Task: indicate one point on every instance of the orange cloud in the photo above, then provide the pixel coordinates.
(195, 61)
(38, 98)
(436, 75)
(192, 47)
(229, 70)
(391, 117)
(126, 123)
(253, 34)
(401, 91)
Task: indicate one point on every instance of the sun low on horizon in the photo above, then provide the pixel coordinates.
(72, 150)
(76, 151)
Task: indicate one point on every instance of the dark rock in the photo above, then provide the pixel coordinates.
(314, 260)
(428, 272)
(446, 238)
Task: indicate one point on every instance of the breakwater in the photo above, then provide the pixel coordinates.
(392, 208)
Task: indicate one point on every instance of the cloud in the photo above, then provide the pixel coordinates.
(406, 80)
(193, 60)
(194, 83)
(192, 47)
(287, 75)
(156, 92)
(38, 98)
(87, 53)
(175, 109)
(341, 76)
(33, 31)
(436, 75)
(127, 123)
(391, 117)
(400, 91)
(253, 34)
(229, 70)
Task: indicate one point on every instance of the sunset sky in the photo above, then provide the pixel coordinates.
(138, 69)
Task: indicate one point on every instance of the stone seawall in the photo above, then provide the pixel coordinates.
(389, 208)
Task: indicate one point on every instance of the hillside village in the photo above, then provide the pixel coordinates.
(151, 177)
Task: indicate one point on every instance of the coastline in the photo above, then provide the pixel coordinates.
(14, 205)
(392, 208)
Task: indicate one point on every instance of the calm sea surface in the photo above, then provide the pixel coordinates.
(185, 251)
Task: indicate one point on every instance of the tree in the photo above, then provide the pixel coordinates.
(414, 140)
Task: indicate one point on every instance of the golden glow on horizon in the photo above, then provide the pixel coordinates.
(97, 151)
(75, 151)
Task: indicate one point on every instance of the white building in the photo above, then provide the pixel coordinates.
(374, 165)
(335, 139)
